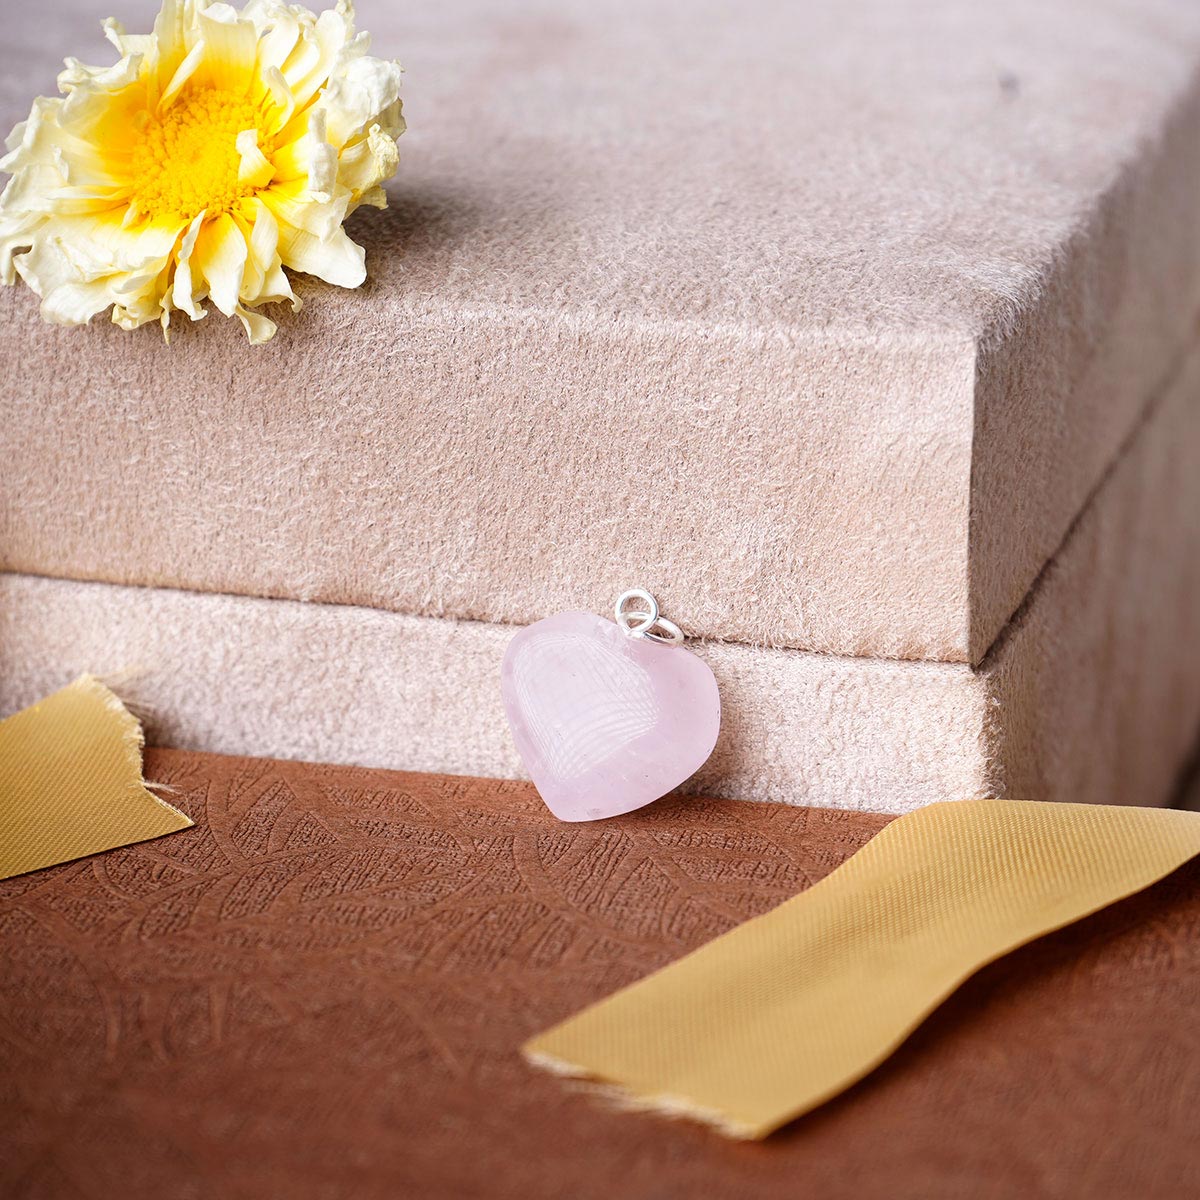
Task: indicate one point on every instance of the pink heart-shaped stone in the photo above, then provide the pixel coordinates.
(605, 722)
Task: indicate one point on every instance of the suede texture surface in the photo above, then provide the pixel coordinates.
(1091, 694)
(822, 321)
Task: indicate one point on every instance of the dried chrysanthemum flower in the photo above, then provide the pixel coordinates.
(221, 149)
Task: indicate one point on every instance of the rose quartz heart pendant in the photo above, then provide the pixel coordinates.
(606, 717)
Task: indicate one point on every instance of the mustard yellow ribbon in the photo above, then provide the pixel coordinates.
(71, 781)
(789, 1009)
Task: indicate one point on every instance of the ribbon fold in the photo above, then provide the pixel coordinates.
(789, 1009)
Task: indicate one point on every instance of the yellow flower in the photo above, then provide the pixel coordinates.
(220, 149)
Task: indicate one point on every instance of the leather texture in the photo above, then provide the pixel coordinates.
(320, 989)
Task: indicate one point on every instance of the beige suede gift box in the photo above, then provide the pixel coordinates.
(863, 334)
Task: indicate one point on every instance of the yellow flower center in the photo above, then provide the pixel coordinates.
(187, 160)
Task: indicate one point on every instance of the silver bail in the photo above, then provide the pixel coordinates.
(643, 621)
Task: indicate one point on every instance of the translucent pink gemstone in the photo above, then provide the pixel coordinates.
(604, 722)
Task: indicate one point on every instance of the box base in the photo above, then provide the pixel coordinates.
(1092, 692)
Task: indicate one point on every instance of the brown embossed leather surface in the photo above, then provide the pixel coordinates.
(319, 990)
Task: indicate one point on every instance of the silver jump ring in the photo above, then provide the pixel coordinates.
(646, 621)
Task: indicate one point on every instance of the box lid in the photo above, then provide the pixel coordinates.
(820, 320)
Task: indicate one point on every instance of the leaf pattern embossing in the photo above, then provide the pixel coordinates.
(319, 990)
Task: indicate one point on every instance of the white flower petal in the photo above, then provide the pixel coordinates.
(264, 281)
(125, 43)
(301, 62)
(330, 34)
(35, 138)
(259, 329)
(183, 289)
(366, 164)
(279, 41)
(231, 46)
(143, 299)
(187, 67)
(322, 158)
(336, 260)
(254, 169)
(363, 88)
(292, 204)
(220, 258)
(170, 35)
(17, 234)
(70, 296)
(93, 198)
(261, 234)
(282, 104)
(78, 75)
